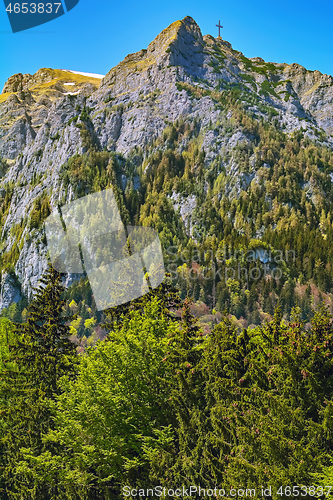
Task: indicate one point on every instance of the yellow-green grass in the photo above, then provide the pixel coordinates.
(4, 97)
(58, 76)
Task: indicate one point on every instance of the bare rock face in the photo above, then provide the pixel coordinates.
(30, 266)
(178, 77)
(10, 290)
(20, 135)
(21, 82)
(14, 84)
(257, 59)
(314, 92)
(181, 44)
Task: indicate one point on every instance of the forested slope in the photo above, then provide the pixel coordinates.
(229, 158)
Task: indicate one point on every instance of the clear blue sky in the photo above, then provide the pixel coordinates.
(97, 34)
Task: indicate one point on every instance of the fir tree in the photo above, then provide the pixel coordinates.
(43, 353)
(166, 293)
(186, 397)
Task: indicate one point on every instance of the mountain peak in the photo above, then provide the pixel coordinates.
(187, 29)
(180, 44)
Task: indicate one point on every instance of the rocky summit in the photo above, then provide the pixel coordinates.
(183, 79)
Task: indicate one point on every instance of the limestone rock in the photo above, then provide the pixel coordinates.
(10, 290)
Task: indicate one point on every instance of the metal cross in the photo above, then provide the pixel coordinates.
(219, 27)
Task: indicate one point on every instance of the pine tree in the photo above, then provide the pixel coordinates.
(42, 353)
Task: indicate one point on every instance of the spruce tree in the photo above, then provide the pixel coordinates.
(186, 397)
(42, 354)
(166, 293)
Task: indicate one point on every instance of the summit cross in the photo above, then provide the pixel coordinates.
(219, 27)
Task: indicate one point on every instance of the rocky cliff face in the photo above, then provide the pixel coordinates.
(51, 116)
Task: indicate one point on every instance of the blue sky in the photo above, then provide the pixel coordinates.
(97, 34)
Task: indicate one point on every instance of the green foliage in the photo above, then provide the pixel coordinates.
(248, 64)
(96, 171)
(114, 109)
(42, 354)
(166, 295)
(249, 79)
(5, 202)
(55, 137)
(6, 339)
(261, 408)
(160, 403)
(266, 89)
(324, 478)
(41, 210)
(192, 90)
(121, 385)
(74, 119)
(17, 311)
